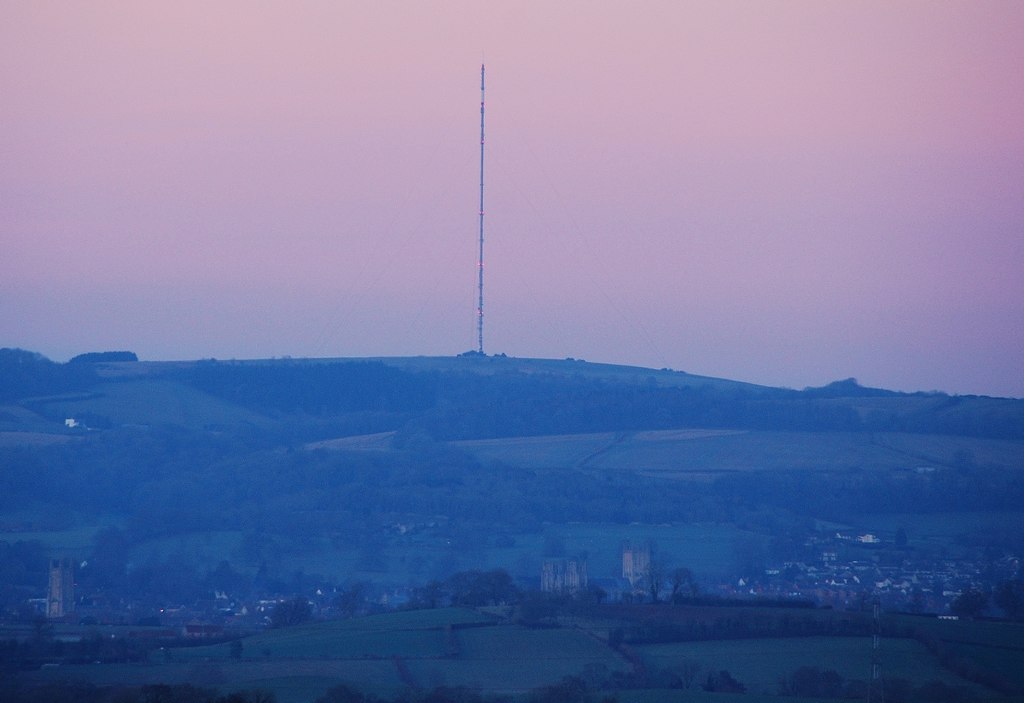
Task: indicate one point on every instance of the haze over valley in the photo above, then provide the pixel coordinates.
(250, 496)
(742, 415)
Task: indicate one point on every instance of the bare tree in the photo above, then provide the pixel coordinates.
(655, 579)
(683, 584)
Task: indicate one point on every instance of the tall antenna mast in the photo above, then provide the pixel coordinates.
(480, 262)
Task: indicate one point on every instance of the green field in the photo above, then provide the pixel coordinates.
(156, 402)
(761, 663)
(388, 653)
(693, 453)
(137, 394)
(510, 659)
(382, 653)
(298, 681)
(402, 634)
(550, 451)
(994, 646)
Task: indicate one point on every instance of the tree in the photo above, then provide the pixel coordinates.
(594, 594)
(655, 579)
(427, 597)
(1009, 596)
(252, 696)
(683, 584)
(351, 600)
(225, 579)
(475, 588)
(103, 356)
(970, 603)
(723, 682)
(291, 612)
(917, 600)
(108, 563)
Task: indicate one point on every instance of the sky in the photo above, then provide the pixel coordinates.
(786, 193)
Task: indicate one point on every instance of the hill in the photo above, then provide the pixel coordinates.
(459, 398)
(285, 473)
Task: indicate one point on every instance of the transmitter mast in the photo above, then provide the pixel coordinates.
(480, 261)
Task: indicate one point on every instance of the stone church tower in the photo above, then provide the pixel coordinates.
(60, 600)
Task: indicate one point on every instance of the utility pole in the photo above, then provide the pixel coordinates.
(876, 688)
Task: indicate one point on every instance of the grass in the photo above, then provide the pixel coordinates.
(553, 451)
(748, 451)
(146, 401)
(693, 453)
(761, 663)
(386, 653)
(993, 646)
(33, 439)
(510, 658)
(562, 367)
(381, 653)
(414, 633)
(302, 680)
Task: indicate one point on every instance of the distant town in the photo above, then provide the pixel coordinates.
(891, 575)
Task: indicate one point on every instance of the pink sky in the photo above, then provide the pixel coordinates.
(785, 193)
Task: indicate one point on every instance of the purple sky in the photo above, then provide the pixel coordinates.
(786, 193)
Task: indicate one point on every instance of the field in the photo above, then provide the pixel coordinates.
(696, 453)
(389, 653)
(761, 663)
(141, 394)
(156, 402)
(383, 653)
(996, 646)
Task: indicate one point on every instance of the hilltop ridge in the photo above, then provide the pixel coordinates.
(461, 398)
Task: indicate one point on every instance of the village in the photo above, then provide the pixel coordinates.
(900, 581)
